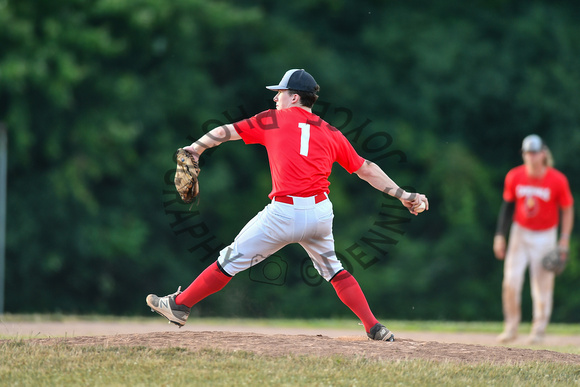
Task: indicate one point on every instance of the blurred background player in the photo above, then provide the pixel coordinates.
(301, 150)
(534, 195)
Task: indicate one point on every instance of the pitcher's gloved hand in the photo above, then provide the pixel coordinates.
(186, 176)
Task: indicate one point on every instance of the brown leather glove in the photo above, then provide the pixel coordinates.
(186, 174)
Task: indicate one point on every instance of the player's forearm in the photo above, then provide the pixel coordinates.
(214, 138)
(567, 223)
(504, 219)
(377, 178)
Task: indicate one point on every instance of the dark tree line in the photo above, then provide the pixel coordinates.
(97, 96)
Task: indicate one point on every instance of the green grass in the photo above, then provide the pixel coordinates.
(61, 365)
(24, 363)
(395, 325)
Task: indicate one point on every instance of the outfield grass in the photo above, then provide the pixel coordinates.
(395, 325)
(62, 365)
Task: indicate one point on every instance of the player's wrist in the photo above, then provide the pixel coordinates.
(197, 148)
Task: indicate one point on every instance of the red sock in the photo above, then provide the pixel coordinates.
(350, 293)
(208, 282)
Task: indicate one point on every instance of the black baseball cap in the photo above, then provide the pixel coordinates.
(296, 79)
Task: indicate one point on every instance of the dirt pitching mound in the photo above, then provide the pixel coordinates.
(319, 345)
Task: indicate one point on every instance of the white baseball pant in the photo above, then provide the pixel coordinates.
(526, 249)
(279, 224)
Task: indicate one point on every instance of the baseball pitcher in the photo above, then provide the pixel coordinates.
(301, 150)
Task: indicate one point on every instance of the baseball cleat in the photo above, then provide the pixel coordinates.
(535, 339)
(507, 336)
(166, 306)
(380, 332)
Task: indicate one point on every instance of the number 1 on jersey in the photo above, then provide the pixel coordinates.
(304, 138)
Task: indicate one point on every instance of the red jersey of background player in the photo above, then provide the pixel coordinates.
(301, 149)
(538, 200)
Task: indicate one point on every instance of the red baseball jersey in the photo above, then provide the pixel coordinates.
(301, 149)
(538, 200)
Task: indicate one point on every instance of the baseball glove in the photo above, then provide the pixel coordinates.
(186, 181)
(555, 260)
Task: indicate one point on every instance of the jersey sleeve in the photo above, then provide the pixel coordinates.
(347, 156)
(253, 129)
(565, 198)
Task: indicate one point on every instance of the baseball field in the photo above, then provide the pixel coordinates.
(60, 350)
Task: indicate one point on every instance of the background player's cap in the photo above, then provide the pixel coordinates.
(296, 79)
(532, 143)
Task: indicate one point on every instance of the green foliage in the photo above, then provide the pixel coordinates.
(98, 95)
